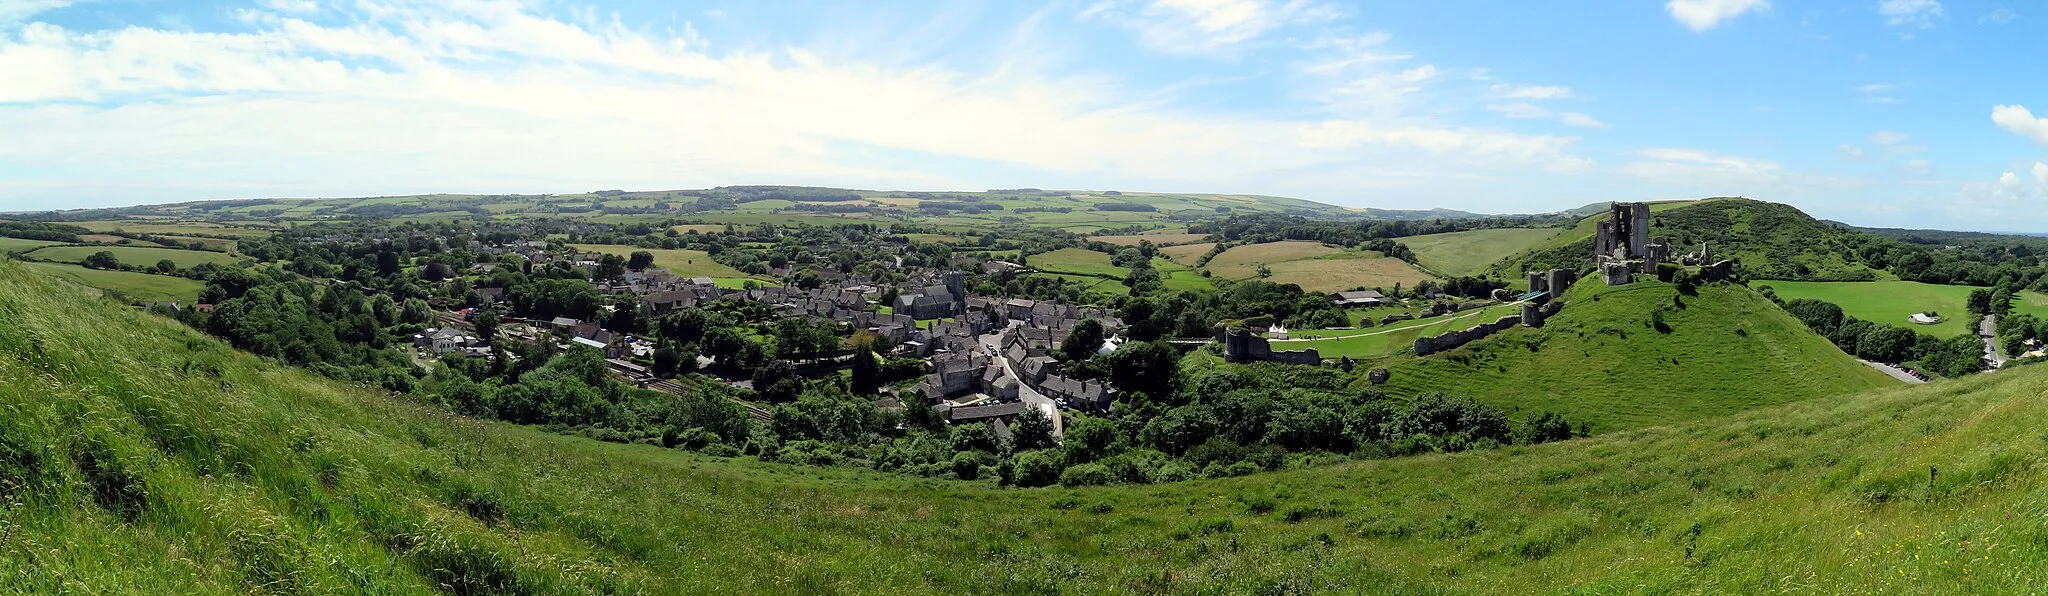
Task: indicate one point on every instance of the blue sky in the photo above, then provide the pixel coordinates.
(1876, 112)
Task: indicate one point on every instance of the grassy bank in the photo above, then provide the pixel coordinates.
(142, 457)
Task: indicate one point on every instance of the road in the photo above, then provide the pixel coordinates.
(993, 342)
(1894, 371)
(1987, 330)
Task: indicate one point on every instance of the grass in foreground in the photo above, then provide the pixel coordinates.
(1603, 360)
(142, 457)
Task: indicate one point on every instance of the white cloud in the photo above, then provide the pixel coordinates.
(1709, 172)
(1850, 152)
(1889, 138)
(1204, 26)
(1999, 17)
(1701, 15)
(489, 97)
(2009, 180)
(1581, 120)
(293, 6)
(1534, 92)
(1909, 13)
(2016, 119)
(16, 11)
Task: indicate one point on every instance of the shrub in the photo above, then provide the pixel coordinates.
(1036, 468)
(1086, 475)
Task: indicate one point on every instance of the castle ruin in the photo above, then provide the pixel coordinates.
(1244, 345)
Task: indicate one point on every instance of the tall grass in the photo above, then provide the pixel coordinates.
(139, 457)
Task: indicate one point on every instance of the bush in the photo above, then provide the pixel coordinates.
(967, 465)
(1036, 468)
(1086, 475)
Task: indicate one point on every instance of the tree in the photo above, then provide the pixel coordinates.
(640, 260)
(1980, 301)
(1152, 368)
(610, 268)
(1544, 428)
(1037, 468)
(1032, 431)
(667, 360)
(1089, 439)
(778, 382)
(867, 365)
(166, 266)
(1083, 342)
(486, 322)
(2001, 302)
(102, 260)
(416, 312)
(387, 263)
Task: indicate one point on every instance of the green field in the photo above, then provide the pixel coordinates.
(8, 245)
(134, 286)
(171, 228)
(1465, 253)
(684, 263)
(1601, 360)
(1890, 302)
(1077, 261)
(1315, 267)
(1382, 341)
(145, 457)
(131, 255)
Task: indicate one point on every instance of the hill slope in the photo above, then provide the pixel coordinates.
(1601, 360)
(137, 456)
(1772, 240)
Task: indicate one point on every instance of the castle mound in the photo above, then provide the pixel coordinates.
(1644, 354)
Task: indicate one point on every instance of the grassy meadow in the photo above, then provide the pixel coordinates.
(1890, 302)
(145, 457)
(684, 263)
(1603, 360)
(1470, 252)
(8, 245)
(134, 255)
(1187, 254)
(1157, 239)
(135, 286)
(1315, 267)
(1386, 340)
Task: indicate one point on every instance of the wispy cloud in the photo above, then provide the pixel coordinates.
(1213, 27)
(1701, 15)
(492, 96)
(1999, 16)
(1920, 14)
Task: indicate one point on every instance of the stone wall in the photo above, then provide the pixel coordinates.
(1431, 345)
(1242, 345)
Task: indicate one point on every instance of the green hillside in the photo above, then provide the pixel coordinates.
(1603, 360)
(1772, 241)
(140, 457)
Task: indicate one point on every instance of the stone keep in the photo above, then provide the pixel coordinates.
(1558, 281)
(1532, 315)
(1616, 274)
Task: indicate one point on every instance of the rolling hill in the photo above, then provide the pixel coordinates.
(1603, 360)
(1772, 240)
(139, 456)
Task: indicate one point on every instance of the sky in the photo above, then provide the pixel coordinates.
(1898, 113)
